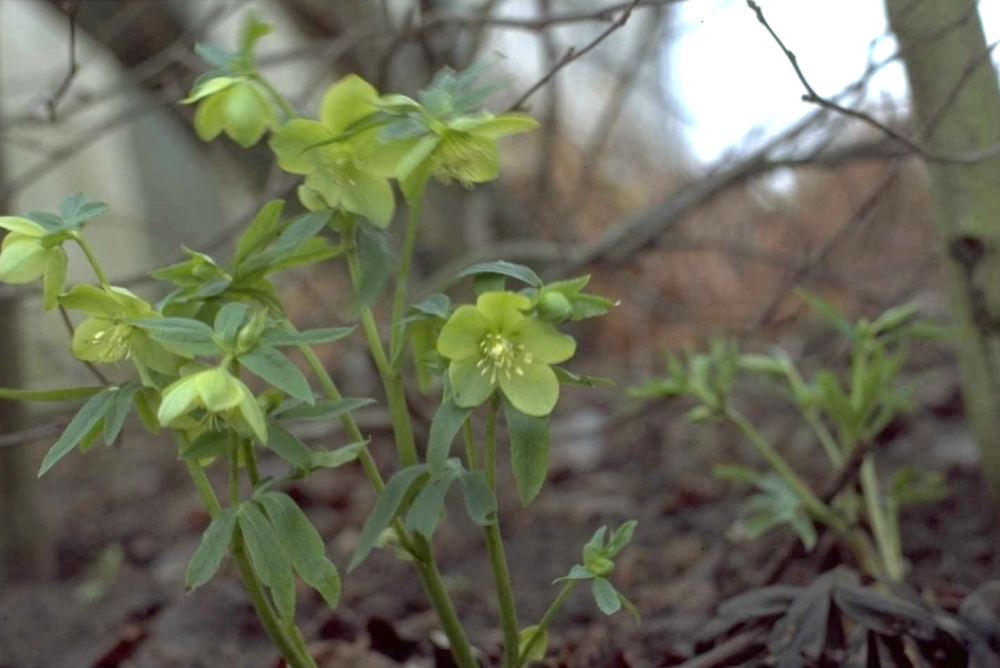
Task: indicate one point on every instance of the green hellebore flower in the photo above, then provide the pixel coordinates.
(464, 149)
(351, 174)
(235, 105)
(218, 392)
(24, 257)
(495, 344)
(106, 336)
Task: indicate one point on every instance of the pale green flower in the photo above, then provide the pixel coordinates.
(218, 392)
(494, 344)
(25, 256)
(238, 106)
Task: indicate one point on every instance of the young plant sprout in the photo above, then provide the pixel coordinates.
(223, 320)
(845, 421)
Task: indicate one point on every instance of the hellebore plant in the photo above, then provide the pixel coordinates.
(845, 422)
(223, 320)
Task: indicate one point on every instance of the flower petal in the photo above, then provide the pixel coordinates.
(247, 114)
(372, 197)
(210, 119)
(311, 199)
(461, 335)
(291, 141)
(54, 280)
(22, 260)
(93, 301)
(218, 389)
(347, 101)
(179, 398)
(18, 225)
(210, 87)
(544, 341)
(90, 340)
(502, 310)
(505, 125)
(535, 392)
(469, 387)
(323, 185)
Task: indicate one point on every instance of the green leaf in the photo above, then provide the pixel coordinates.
(437, 305)
(262, 231)
(483, 283)
(272, 366)
(538, 646)
(209, 444)
(577, 572)
(285, 337)
(121, 404)
(377, 263)
(78, 428)
(480, 501)
(827, 311)
(518, 271)
(570, 378)
(628, 605)
(428, 506)
(606, 596)
(323, 410)
(206, 559)
(251, 31)
(331, 459)
(270, 561)
(619, 539)
(229, 319)
(529, 450)
(448, 420)
(60, 394)
(288, 447)
(182, 335)
(303, 544)
(385, 509)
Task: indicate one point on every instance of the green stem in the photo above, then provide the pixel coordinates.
(286, 107)
(295, 656)
(347, 420)
(250, 459)
(392, 381)
(816, 507)
(826, 439)
(494, 545)
(402, 276)
(234, 469)
(268, 618)
(92, 259)
(543, 625)
(888, 547)
(450, 624)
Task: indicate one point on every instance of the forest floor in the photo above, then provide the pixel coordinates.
(126, 520)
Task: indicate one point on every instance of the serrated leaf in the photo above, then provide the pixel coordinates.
(288, 447)
(448, 420)
(303, 544)
(480, 501)
(285, 337)
(60, 394)
(529, 451)
(518, 271)
(121, 404)
(274, 367)
(323, 410)
(270, 561)
(605, 596)
(385, 510)
(212, 548)
(82, 424)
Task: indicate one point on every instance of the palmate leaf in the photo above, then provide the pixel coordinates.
(270, 561)
(447, 421)
(385, 510)
(121, 404)
(303, 544)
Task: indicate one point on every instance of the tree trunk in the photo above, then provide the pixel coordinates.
(956, 100)
(23, 548)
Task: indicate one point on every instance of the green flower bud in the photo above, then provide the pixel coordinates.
(554, 307)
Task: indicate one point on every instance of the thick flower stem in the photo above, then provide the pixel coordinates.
(399, 299)
(543, 624)
(494, 545)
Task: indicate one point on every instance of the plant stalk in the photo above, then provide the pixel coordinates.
(888, 548)
(92, 259)
(543, 624)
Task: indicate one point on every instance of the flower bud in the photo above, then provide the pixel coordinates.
(554, 307)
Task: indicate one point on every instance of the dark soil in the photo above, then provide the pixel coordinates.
(135, 502)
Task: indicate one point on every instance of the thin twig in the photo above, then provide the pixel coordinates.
(573, 54)
(812, 97)
(53, 102)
